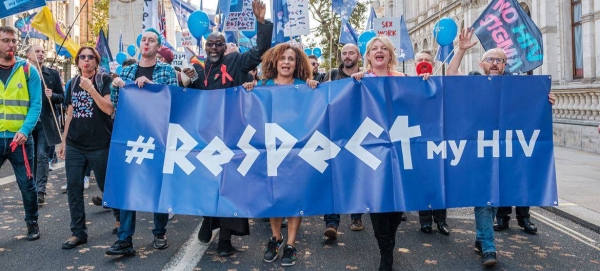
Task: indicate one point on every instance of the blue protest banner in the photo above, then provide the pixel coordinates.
(12, 7)
(505, 24)
(24, 26)
(345, 147)
(347, 33)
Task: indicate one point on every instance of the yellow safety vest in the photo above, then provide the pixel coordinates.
(14, 99)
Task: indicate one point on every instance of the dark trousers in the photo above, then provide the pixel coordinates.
(385, 226)
(522, 212)
(76, 161)
(334, 219)
(40, 168)
(26, 185)
(127, 228)
(439, 216)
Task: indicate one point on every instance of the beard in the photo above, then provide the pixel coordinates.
(351, 65)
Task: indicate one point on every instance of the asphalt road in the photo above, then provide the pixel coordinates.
(559, 245)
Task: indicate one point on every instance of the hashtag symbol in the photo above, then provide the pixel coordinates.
(139, 150)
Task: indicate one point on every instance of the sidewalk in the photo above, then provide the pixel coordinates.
(578, 181)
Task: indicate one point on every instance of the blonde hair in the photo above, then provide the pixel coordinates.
(387, 43)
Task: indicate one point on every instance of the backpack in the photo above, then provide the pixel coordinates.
(97, 79)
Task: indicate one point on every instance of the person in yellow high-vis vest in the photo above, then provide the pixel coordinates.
(20, 106)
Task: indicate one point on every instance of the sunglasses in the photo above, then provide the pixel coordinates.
(218, 44)
(314, 64)
(89, 57)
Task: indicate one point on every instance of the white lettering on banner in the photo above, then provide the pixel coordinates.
(495, 143)
(457, 151)
(250, 151)
(437, 149)
(508, 143)
(139, 150)
(173, 155)
(276, 155)
(14, 3)
(528, 148)
(400, 131)
(316, 157)
(482, 143)
(353, 146)
(211, 161)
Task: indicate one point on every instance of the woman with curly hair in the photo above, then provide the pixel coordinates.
(284, 64)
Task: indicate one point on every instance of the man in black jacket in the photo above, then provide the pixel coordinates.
(46, 132)
(224, 71)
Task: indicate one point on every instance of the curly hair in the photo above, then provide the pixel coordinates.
(303, 69)
(387, 43)
(94, 52)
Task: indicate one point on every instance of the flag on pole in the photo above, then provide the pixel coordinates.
(44, 23)
(406, 48)
(121, 45)
(347, 33)
(280, 19)
(343, 8)
(162, 20)
(8, 8)
(372, 16)
(445, 53)
(104, 51)
(24, 26)
(184, 9)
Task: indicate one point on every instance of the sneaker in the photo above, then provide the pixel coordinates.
(331, 231)
(273, 247)
(33, 231)
(86, 182)
(225, 249)
(64, 188)
(160, 241)
(171, 215)
(121, 248)
(50, 167)
(289, 256)
(97, 200)
(117, 226)
(489, 259)
(41, 197)
(356, 225)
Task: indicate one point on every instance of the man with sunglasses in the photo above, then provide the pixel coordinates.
(147, 71)
(314, 62)
(22, 103)
(224, 71)
(493, 63)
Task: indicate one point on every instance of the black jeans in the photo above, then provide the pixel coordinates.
(76, 161)
(522, 212)
(40, 168)
(385, 226)
(439, 216)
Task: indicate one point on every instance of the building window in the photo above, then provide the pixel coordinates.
(577, 40)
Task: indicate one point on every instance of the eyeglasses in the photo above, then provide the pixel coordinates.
(7, 41)
(315, 64)
(89, 57)
(218, 44)
(496, 60)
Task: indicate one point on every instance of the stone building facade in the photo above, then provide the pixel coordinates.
(571, 54)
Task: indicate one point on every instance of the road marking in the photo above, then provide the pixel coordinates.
(577, 236)
(11, 178)
(190, 253)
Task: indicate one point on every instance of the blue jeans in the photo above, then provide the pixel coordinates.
(26, 185)
(127, 228)
(41, 165)
(484, 223)
(334, 219)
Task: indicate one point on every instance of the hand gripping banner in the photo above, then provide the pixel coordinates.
(378, 145)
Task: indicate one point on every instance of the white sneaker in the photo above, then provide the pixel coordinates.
(64, 188)
(171, 215)
(50, 167)
(86, 182)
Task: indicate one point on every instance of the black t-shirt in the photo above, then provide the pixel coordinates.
(4, 74)
(145, 71)
(90, 128)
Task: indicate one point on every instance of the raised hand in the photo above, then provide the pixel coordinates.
(259, 8)
(464, 39)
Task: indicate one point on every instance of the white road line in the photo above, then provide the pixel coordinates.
(575, 235)
(11, 178)
(190, 253)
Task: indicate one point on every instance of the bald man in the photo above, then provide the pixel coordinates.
(349, 56)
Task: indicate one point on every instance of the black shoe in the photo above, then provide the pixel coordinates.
(225, 249)
(526, 224)
(33, 231)
(205, 233)
(403, 218)
(289, 256)
(97, 200)
(386, 263)
(73, 242)
(41, 197)
(121, 248)
(160, 242)
(426, 228)
(489, 259)
(331, 231)
(501, 224)
(273, 247)
(478, 247)
(443, 228)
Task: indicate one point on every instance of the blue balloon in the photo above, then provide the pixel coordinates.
(249, 34)
(198, 23)
(131, 50)
(121, 56)
(317, 52)
(364, 38)
(308, 51)
(445, 31)
(138, 41)
(208, 32)
(119, 69)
